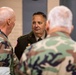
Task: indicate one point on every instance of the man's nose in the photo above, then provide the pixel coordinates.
(36, 25)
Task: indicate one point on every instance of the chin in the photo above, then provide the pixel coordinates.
(37, 32)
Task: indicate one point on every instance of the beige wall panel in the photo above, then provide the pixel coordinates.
(17, 6)
(51, 4)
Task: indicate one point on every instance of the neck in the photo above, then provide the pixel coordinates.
(4, 31)
(40, 35)
(61, 29)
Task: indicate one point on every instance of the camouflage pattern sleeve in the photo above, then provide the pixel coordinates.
(18, 66)
(52, 56)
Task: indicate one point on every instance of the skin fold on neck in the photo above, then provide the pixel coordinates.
(62, 29)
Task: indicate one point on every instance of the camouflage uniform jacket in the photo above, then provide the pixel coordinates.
(7, 55)
(55, 55)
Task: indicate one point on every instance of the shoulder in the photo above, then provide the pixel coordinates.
(27, 36)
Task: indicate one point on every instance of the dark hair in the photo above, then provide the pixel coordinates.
(40, 13)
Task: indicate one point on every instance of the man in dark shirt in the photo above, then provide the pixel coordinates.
(38, 31)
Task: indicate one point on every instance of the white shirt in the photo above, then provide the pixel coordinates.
(41, 37)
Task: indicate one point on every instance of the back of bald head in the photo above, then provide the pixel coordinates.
(6, 13)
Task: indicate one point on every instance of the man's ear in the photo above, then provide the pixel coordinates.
(72, 28)
(47, 25)
(8, 22)
(70, 31)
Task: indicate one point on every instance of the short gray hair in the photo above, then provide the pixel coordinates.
(60, 16)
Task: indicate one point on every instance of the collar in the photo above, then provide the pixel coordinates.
(3, 34)
(41, 37)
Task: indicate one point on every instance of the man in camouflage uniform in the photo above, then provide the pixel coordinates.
(55, 55)
(8, 61)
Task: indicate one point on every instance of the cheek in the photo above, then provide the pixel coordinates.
(13, 24)
(33, 26)
(43, 27)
